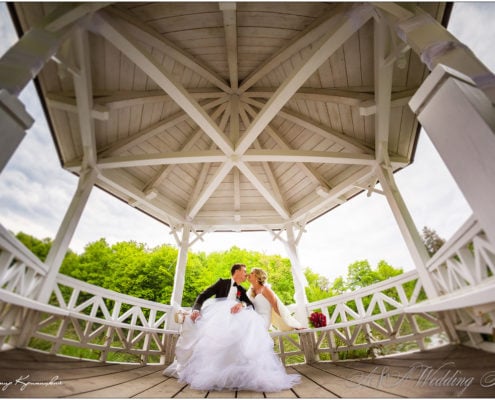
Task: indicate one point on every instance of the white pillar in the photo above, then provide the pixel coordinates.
(460, 120)
(407, 227)
(66, 231)
(297, 275)
(180, 267)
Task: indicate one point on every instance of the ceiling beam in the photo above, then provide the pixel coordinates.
(152, 130)
(120, 38)
(307, 156)
(162, 174)
(64, 103)
(306, 38)
(344, 140)
(265, 192)
(230, 28)
(84, 97)
(145, 34)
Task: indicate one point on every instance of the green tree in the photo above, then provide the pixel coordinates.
(432, 240)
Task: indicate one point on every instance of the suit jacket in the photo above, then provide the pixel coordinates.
(220, 289)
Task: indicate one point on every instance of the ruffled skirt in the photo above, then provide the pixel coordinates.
(224, 351)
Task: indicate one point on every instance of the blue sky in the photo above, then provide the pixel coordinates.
(35, 191)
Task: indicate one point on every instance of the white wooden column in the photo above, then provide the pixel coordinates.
(66, 231)
(180, 267)
(300, 281)
(407, 227)
(459, 118)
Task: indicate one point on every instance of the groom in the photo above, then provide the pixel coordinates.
(227, 288)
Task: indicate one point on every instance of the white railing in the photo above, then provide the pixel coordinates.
(462, 266)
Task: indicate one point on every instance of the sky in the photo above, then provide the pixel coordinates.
(35, 191)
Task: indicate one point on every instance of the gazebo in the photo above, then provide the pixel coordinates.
(249, 116)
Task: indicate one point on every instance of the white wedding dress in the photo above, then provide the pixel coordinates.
(225, 351)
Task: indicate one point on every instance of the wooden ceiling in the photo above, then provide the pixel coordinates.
(232, 116)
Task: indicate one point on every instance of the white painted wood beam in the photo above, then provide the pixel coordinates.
(219, 176)
(124, 99)
(230, 27)
(178, 157)
(201, 180)
(64, 103)
(84, 97)
(398, 99)
(308, 156)
(307, 170)
(343, 27)
(394, 9)
(266, 166)
(66, 14)
(306, 38)
(162, 174)
(383, 87)
(347, 142)
(145, 34)
(144, 60)
(316, 206)
(265, 192)
(155, 129)
(339, 96)
(180, 271)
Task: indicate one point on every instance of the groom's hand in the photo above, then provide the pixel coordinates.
(236, 308)
(195, 315)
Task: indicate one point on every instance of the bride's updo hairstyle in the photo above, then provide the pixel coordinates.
(260, 275)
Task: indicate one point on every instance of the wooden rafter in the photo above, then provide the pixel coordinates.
(148, 35)
(230, 27)
(120, 38)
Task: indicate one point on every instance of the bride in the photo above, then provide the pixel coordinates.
(234, 351)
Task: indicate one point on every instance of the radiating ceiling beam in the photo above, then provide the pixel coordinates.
(383, 87)
(347, 142)
(162, 174)
(344, 26)
(230, 27)
(307, 156)
(84, 97)
(121, 39)
(64, 103)
(265, 192)
(66, 14)
(307, 37)
(145, 34)
(152, 130)
(307, 170)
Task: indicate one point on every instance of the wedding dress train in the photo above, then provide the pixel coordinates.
(230, 351)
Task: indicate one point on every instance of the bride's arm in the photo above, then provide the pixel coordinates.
(270, 296)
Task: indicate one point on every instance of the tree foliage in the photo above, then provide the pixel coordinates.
(133, 269)
(432, 240)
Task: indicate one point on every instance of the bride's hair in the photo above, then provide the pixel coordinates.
(261, 277)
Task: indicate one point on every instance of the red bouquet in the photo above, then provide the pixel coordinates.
(317, 320)
(238, 296)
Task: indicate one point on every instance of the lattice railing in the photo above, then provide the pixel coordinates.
(463, 265)
(371, 321)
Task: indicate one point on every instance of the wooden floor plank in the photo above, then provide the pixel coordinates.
(381, 377)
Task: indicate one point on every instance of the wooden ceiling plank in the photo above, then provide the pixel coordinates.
(302, 40)
(148, 35)
(347, 142)
(136, 53)
(66, 14)
(265, 192)
(167, 169)
(84, 97)
(230, 27)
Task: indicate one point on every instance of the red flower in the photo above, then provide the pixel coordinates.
(317, 320)
(238, 296)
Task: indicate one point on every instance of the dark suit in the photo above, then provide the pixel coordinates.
(220, 289)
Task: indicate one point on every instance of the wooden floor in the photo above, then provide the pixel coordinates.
(451, 371)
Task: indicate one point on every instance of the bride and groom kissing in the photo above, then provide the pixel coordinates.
(226, 345)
